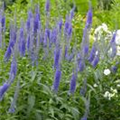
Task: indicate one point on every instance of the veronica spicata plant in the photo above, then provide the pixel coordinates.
(57, 79)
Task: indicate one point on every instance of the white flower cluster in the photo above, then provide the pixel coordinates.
(118, 83)
(117, 41)
(118, 51)
(101, 28)
(102, 31)
(111, 94)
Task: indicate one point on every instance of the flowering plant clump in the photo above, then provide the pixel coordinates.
(55, 79)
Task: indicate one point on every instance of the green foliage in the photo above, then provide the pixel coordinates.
(36, 99)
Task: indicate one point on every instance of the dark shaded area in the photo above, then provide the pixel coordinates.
(8, 2)
(11, 2)
(105, 4)
(24, 2)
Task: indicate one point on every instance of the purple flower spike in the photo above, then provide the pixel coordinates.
(22, 42)
(57, 80)
(85, 39)
(70, 57)
(81, 65)
(22, 47)
(47, 6)
(86, 49)
(37, 10)
(72, 13)
(12, 110)
(48, 33)
(82, 91)
(28, 24)
(36, 23)
(28, 42)
(57, 55)
(3, 22)
(70, 30)
(60, 23)
(11, 45)
(67, 23)
(84, 118)
(89, 18)
(66, 52)
(54, 35)
(113, 38)
(84, 88)
(85, 42)
(21, 32)
(46, 37)
(3, 89)
(13, 103)
(114, 69)
(8, 54)
(114, 50)
(113, 45)
(73, 83)
(95, 61)
(13, 70)
(30, 14)
(92, 54)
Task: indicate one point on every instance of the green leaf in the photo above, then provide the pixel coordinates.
(51, 111)
(38, 116)
(31, 101)
(75, 113)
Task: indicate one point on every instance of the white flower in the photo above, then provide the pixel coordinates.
(98, 29)
(111, 94)
(96, 53)
(118, 85)
(110, 51)
(118, 51)
(104, 27)
(95, 85)
(107, 71)
(118, 32)
(117, 39)
(114, 90)
(107, 95)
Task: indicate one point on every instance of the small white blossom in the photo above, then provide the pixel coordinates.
(95, 85)
(114, 90)
(104, 27)
(110, 51)
(118, 51)
(107, 71)
(98, 29)
(117, 40)
(112, 95)
(118, 85)
(96, 53)
(107, 95)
